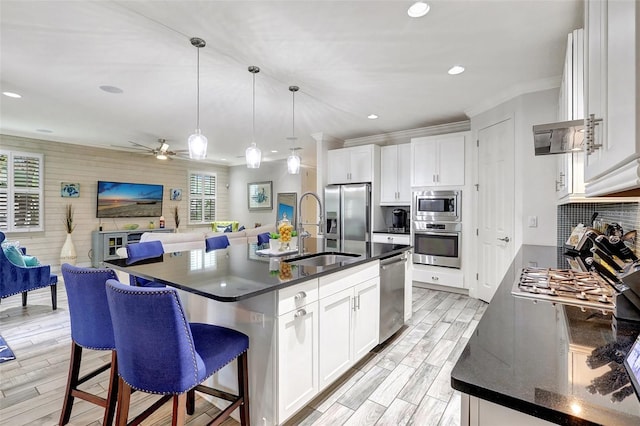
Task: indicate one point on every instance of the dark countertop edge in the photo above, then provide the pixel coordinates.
(274, 287)
(516, 404)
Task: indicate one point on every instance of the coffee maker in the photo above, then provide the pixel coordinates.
(399, 219)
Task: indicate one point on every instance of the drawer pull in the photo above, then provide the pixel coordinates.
(301, 295)
(435, 278)
(300, 313)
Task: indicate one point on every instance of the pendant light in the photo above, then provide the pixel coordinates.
(253, 154)
(293, 161)
(197, 141)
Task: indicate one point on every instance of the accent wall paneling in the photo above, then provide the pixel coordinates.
(86, 165)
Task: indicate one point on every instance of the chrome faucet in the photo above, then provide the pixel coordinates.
(302, 234)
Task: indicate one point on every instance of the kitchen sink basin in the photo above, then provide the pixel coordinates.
(322, 259)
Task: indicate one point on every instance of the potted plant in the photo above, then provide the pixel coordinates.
(176, 217)
(68, 253)
(274, 241)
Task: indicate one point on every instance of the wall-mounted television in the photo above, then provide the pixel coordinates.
(121, 199)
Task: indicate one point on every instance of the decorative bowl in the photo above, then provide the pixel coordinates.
(130, 226)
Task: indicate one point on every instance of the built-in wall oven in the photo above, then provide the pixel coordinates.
(437, 228)
(438, 244)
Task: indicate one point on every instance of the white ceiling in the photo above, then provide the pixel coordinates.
(350, 59)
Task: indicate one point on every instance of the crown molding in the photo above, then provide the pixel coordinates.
(404, 136)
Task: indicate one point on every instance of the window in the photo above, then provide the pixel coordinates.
(21, 192)
(202, 198)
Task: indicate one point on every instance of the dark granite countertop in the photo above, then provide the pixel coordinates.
(555, 362)
(238, 272)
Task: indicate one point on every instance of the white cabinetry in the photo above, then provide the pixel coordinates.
(297, 347)
(612, 89)
(392, 238)
(395, 167)
(570, 170)
(438, 160)
(349, 311)
(351, 165)
(448, 277)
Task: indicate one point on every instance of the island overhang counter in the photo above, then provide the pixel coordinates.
(307, 325)
(538, 363)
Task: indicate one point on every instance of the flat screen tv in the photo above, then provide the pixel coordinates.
(120, 199)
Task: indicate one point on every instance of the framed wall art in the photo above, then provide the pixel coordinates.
(175, 194)
(69, 189)
(287, 203)
(259, 195)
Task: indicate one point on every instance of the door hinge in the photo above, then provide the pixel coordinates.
(478, 143)
(477, 185)
(477, 276)
(477, 232)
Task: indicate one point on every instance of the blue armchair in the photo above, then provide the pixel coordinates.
(16, 279)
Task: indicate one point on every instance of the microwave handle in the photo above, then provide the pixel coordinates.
(449, 234)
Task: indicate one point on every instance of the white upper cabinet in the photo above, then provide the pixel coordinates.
(438, 160)
(351, 165)
(570, 170)
(611, 93)
(395, 182)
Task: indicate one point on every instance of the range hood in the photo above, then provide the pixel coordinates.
(558, 138)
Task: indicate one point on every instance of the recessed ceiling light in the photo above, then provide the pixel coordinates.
(456, 69)
(44, 130)
(111, 89)
(372, 116)
(273, 151)
(11, 95)
(223, 159)
(418, 9)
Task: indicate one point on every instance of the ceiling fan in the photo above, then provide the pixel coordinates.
(162, 152)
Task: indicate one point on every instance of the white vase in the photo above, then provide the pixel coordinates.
(68, 252)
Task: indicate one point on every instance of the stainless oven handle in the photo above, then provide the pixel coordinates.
(450, 234)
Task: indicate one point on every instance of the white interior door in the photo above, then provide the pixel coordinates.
(495, 204)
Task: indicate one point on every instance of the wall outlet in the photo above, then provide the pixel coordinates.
(533, 221)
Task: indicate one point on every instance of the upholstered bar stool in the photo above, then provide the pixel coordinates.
(141, 251)
(159, 352)
(90, 328)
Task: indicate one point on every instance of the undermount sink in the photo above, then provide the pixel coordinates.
(322, 259)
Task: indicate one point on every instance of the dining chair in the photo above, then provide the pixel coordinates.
(159, 352)
(141, 251)
(216, 243)
(91, 329)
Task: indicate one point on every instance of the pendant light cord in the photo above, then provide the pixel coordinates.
(253, 131)
(198, 93)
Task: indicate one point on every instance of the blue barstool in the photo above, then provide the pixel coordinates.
(159, 352)
(263, 238)
(216, 243)
(90, 328)
(141, 251)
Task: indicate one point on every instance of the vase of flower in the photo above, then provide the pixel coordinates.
(176, 218)
(68, 253)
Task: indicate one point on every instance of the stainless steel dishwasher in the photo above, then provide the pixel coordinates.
(391, 295)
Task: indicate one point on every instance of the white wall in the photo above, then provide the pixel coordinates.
(86, 165)
(534, 176)
(241, 176)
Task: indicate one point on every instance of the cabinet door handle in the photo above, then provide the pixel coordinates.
(505, 239)
(358, 301)
(354, 304)
(435, 278)
(300, 313)
(300, 295)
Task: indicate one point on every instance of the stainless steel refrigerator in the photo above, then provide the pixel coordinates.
(347, 212)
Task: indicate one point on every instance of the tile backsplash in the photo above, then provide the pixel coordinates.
(626, 215)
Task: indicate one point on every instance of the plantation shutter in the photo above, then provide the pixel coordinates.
(21, 192)
(202, 198)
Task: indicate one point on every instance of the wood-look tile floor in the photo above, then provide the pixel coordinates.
(405, 381)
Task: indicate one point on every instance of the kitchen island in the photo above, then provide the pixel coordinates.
(307, 324)
(531, 363)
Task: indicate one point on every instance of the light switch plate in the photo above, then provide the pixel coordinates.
(533, 221)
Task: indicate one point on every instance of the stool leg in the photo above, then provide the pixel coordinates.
(24, 298)
(54, 297)
(112, 392)
(179, 409)
(191, 401)
(243, 386)
(72, 382)
(124, 397)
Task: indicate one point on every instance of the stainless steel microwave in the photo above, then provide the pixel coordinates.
(437, 206)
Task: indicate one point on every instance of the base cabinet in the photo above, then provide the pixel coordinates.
(298, 359)
(479, 412)
(449, 277)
